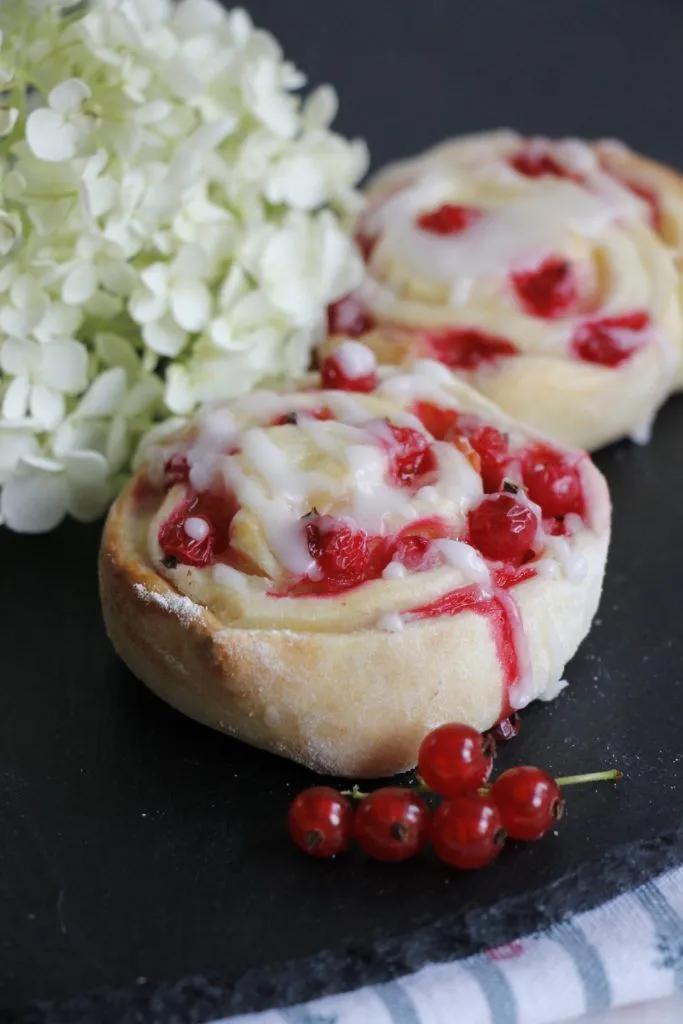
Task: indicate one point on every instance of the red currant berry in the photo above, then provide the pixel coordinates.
(547, 291)
(467, 832)
(652, 200)
(392, 824)
(533, 163)
(348, 316)
(611, 340)
(345, 557)
(448, 219)
(466, 348)
(366, 243)
(198, 529)
(176, 470)
(321, 821)
(552, 482)
(351, 367)
(455, 759)
(529, 801)
(507, 728)
(492, 448)
(413, 545)
(410, 455)
(502, 529)
(438, 421)
(649, 196)
(413, 552)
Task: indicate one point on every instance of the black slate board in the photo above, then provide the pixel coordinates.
(143, 857)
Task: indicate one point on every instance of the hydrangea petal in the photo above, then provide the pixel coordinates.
(156, 278)
(10, 232)
(64, 366)
(33, 500)
(14, 445)
(221, 333)
(84, 467)
(104, 395)
(79, 285)
(165, 337)
(320, 109)
(69, 96)
(191, 305)
(145, 394)
(16, 399)
(47, 406)
(179, 393)
(117, 446)
(78, 435)
(59, 321)
(194, 16)
(19, 357)
(89, 491)
(145, 307)
(114, 350)
(49, 136)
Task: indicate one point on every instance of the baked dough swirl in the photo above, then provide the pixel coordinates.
(329, 572)
(547, 272)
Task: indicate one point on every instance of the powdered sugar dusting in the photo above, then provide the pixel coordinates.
(186, 610)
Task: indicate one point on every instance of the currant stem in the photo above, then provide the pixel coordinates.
(420, 786)
(356, 793)
(613, 775)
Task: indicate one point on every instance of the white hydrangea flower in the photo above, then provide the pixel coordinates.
(173, 223)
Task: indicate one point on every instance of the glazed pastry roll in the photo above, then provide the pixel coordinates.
(547, 273)
(331, 570)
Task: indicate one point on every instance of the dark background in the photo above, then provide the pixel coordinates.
(411, 72)
(137, 847)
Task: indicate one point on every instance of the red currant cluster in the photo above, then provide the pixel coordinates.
(469, 826)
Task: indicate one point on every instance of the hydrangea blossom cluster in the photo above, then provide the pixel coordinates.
(173, 223)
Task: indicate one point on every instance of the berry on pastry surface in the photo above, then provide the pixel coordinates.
(329, 573)
(546, 272)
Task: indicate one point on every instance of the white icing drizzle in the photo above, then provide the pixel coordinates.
(517, 233)
(346, 407)
(281, 520)
(217, 427)
(196, 528)
(467, 560)
(572, 562)
(391, 622)
(395, 571)
(355, 359)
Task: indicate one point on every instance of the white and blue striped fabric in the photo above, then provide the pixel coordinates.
(626, 951)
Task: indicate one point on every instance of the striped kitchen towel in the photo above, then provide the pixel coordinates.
(626, 951)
